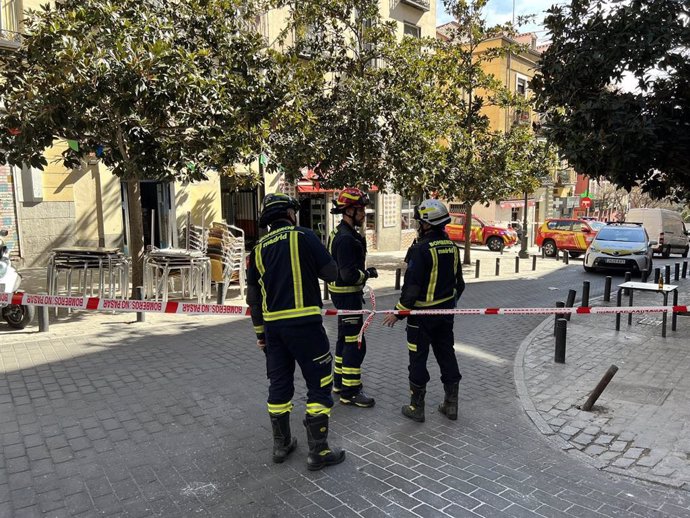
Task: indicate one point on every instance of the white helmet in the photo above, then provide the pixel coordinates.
(432, 212)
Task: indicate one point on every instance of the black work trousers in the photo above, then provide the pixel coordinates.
(435, 331)
(306, 344)
(348, 354)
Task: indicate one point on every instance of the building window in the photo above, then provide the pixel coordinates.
(521, 86)
(9, 20)
(407, 221)
(456, 207)
(306, 39)
(411, 29)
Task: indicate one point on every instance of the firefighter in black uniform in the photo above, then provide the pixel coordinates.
(433, 280)
(285, 299)
(349, 249)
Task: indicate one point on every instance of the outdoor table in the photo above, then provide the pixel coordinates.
(643, 286)
(105, 262)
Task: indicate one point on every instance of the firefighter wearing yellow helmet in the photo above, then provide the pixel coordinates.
(433, 280)
(349, 249)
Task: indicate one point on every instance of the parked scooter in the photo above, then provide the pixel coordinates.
(16, 316)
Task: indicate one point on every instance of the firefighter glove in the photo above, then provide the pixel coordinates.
(371, 273)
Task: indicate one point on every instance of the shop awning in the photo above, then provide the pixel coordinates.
(309, 184)
(512, 204)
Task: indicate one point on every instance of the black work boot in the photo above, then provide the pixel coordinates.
(415, 410)
(359, 399)
(320, 455)
(449, 407)
(283, 442)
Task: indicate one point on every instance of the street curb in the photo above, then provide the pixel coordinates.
(552, 437)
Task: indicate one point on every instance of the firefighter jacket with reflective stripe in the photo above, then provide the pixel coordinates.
(282, 277)
(433, 278)
(349, 249)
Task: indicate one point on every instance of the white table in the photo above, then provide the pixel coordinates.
(649, 287)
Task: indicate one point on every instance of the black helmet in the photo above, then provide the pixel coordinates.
(275, 206)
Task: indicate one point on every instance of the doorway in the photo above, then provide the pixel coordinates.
(157, 211)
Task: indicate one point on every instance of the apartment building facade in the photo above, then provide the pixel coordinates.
(557, 196)
(389, 224)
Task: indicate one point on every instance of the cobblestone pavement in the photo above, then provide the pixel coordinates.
(168, 419)
(641, 424)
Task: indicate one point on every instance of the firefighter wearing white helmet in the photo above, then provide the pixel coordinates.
(433, 280)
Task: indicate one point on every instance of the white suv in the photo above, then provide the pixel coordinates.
(623, 247)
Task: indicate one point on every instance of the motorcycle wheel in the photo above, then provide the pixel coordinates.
(18, 317)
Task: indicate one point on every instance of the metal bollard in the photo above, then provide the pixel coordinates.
(543, 253)
(603, 383)
(570, 302)
(667, 274)
(534, 263)
(43, 319)
(628, 276)
(619, 301)
(676, 273)
(559, 304)
(517, 265)
(325, 291)
(498, 266)
(657, 274)
(607, 288)
(585, 294)
(220, 293)
(685, 269)
(476, 269)
(141, 317)
(566, 257)
(398, 273)
(561, 333)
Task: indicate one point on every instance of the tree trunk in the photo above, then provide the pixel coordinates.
(468, 233)
(136, 234)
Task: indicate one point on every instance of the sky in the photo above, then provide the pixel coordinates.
(501, 11)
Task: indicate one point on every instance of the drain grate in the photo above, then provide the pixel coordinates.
(641, 394)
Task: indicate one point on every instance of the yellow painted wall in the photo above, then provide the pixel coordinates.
(507, 69)
(57, 181)
(202, 199)
(88, 183)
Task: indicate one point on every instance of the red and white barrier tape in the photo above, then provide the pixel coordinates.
(367, 321)
(189, 308)
(143, 306)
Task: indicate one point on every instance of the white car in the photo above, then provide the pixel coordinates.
(623, 247)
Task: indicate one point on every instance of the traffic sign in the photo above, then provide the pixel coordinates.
(585, 203)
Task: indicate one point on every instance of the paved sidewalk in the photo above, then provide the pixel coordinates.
(640, 425)
(106, 417)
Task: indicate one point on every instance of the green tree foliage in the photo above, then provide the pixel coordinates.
(154, 89)
(337, 120)
(473, 160)
(638, 136)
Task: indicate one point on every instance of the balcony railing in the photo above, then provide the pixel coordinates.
(9, 24)
(422, 5)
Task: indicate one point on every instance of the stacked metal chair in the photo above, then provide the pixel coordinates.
(226, 251)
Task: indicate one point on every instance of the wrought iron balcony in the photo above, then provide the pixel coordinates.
(9, 39)
(423, 5)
